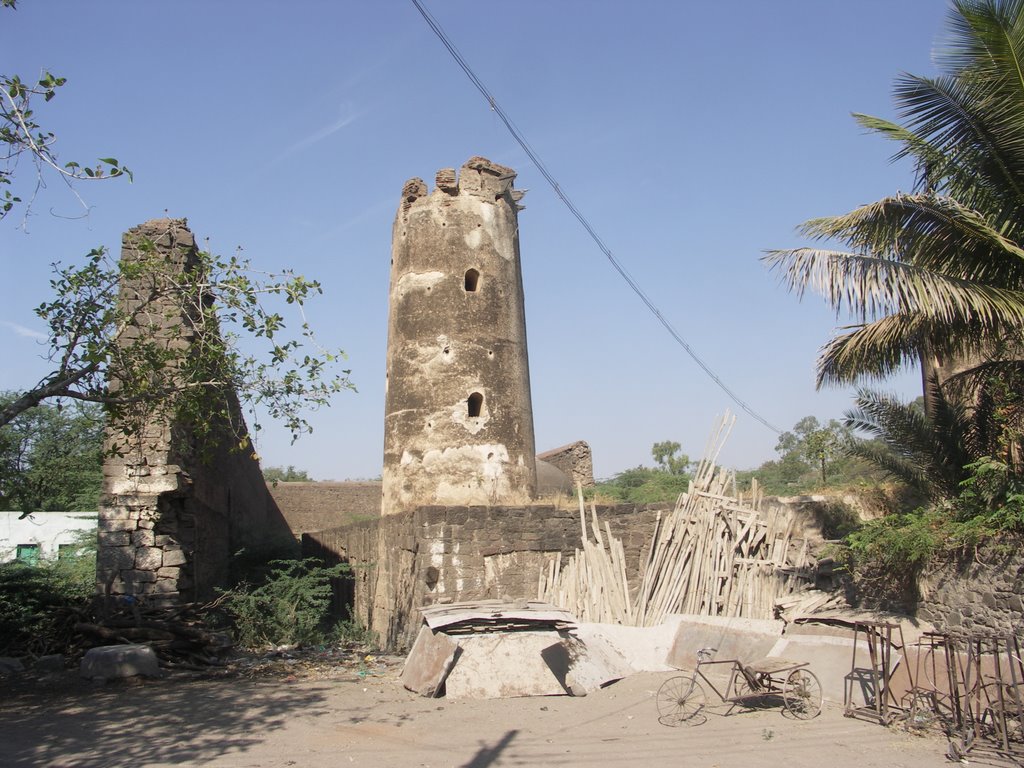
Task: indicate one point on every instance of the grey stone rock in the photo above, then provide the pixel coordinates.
(114, 661)
(10, 666)
(51, 663)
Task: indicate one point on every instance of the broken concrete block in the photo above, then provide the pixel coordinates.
(503, 664)
(584, 667)
(429, 662)
(110, 661)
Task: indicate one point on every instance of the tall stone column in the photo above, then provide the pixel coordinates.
(175, 507)
(458, 423)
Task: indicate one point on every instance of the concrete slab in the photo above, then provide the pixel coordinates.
(585, 667)
(830, 658)
(429, 662)
(735, 638)
(502, 665)
(643, 649)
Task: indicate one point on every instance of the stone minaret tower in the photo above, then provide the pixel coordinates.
(458, 421)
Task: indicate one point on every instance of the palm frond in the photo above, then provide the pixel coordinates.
(944, 111)
(872, 287)
(872, 351)
(933, 165)
(926, 453)
(879, 455)
(935, 231)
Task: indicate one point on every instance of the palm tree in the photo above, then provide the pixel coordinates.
(936, 275)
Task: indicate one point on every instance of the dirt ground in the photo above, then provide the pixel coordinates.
(361, 715)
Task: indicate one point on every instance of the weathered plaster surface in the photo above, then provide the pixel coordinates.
(458, 415)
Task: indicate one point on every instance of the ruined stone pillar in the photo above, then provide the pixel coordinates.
(458, 423)
(174, 508)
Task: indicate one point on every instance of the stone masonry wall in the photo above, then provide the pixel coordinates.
(319, 506)
(986, 594)
(446, 554)
(436, 554)
(573, 459)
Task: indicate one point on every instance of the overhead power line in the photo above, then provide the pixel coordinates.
(539, 164)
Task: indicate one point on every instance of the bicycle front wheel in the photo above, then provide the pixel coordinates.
(681, 699)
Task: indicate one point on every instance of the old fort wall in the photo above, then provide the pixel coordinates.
(443, 554)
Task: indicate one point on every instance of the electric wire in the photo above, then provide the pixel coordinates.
(517, 135)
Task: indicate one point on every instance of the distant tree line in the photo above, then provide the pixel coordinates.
(51, 458)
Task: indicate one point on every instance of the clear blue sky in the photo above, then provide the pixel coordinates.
(692, 135)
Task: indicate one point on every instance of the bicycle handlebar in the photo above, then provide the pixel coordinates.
(706, 652)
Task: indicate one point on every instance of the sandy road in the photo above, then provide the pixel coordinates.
(272, 722)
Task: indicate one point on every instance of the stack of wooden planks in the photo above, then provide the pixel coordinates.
(592, 584)
(713, 555)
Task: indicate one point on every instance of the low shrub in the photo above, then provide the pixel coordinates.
(39, 604)
(288, 607)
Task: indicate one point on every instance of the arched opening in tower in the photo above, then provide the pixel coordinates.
(475, 404)
(472, 280)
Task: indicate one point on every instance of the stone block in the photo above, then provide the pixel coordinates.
(165, 587)
(143, 538)
(168, 573)
(433, 515)
(117, 661)
(135, 577)
(114, 538)
(458, 515)
(116, 524)
(174, 557)
(115, 558)
(148, 558)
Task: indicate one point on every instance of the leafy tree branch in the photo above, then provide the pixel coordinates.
(21, 135)
(171, 344)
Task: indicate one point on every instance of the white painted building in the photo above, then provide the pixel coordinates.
(41, 535)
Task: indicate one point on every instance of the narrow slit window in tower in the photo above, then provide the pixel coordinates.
(472, 281)
(476, 403)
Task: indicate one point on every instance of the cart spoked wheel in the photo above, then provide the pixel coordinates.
(801, 693)
(741, 688)
(681, 700)
(747, 696)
